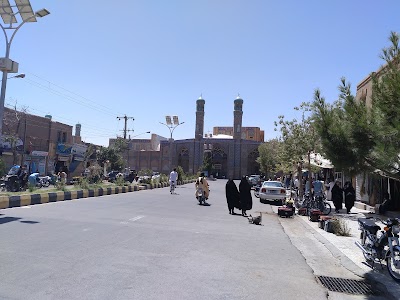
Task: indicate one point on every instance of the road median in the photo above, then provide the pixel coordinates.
(41, 198)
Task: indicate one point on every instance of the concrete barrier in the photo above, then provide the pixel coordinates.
(32, 199)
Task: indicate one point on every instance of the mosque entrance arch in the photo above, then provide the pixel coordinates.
(219, 162)
(252, 166)
(183, 159)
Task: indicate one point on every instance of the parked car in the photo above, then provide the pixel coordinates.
(272, 191)
(253, 180)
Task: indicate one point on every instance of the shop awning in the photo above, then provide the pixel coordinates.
(318, 160)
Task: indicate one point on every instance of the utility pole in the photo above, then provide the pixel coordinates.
(126, 124)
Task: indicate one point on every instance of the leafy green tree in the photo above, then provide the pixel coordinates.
(299, 140)
(207, 163)
(13, 121)
(268, 158)
(181, 173)
(360, 136)
(113, 156)
(346, 133)
(3, 170)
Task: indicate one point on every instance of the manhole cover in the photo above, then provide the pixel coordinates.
(342, 285)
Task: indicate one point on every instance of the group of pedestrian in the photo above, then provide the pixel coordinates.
(337, 192)
(239, 198)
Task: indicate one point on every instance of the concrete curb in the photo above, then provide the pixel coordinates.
(32, 199)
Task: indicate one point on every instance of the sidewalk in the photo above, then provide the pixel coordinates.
(345, 250)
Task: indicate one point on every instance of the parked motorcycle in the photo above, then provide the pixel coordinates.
(380, 245)
(14, 184)
(45, 181)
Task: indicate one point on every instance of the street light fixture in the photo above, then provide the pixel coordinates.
(22, 75)
(171, 123)
(8, 14)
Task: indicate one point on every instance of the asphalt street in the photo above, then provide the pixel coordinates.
(151, 245)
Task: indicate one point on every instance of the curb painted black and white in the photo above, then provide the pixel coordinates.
(31, 199)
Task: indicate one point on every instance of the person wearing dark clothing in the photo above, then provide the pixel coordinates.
(232, 196)
(349, 196)
(245, 196)
(337, 196)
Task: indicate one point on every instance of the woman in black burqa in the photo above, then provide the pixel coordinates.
(232, 196)
(245, 195)
(349, 196)
(337, 196)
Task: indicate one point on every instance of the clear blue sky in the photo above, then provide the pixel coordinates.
(91, 61)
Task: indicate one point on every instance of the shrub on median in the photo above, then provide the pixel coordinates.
(340, 227)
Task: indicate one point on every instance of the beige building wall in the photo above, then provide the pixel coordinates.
(248, 133)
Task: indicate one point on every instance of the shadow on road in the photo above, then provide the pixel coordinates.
(29, 222)
(5, 220)
(8, 219)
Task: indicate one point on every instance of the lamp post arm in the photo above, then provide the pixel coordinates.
(8, 42)
(175, 127)
(16, 29)
(170, 129)
(6, 38)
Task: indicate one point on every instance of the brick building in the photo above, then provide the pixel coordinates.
(44, 145)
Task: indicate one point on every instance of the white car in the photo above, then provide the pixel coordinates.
(272, 191)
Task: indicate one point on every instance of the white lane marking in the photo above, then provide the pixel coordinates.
(136, 218)
(132, 220)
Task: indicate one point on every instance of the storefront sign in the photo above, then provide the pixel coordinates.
(79, 150)
(7, 141)
(63, 149)
(39, 153)
(63, 158)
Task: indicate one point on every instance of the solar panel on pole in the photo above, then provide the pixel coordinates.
(6, 12)
(25, 10)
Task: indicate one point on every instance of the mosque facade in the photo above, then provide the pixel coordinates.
(232, 156)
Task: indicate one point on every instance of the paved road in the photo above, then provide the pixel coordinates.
(149, 245)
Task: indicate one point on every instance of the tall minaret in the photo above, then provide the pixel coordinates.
(199, 132)
(237, 118)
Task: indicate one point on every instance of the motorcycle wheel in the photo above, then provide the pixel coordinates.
(256, 194)
(391, 261)
(326, 208)
(368, 246)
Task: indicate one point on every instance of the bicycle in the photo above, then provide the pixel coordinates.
(172, 187)
(319, 202)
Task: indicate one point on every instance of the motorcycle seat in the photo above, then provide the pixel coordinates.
(369, 225)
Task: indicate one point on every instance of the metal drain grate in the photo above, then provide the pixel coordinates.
(342, 285)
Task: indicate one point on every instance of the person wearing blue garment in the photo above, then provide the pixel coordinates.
(318, 187)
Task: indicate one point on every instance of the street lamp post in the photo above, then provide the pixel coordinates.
(24, 9)
(171, 123)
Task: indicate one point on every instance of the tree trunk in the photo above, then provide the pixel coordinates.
(309, 170)
(300, 177)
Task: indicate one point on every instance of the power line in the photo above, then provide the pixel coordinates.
(126, 123)
(93, 103)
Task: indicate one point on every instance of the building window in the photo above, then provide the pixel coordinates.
(64, 137)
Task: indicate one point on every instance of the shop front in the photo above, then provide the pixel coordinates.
(37, 162)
